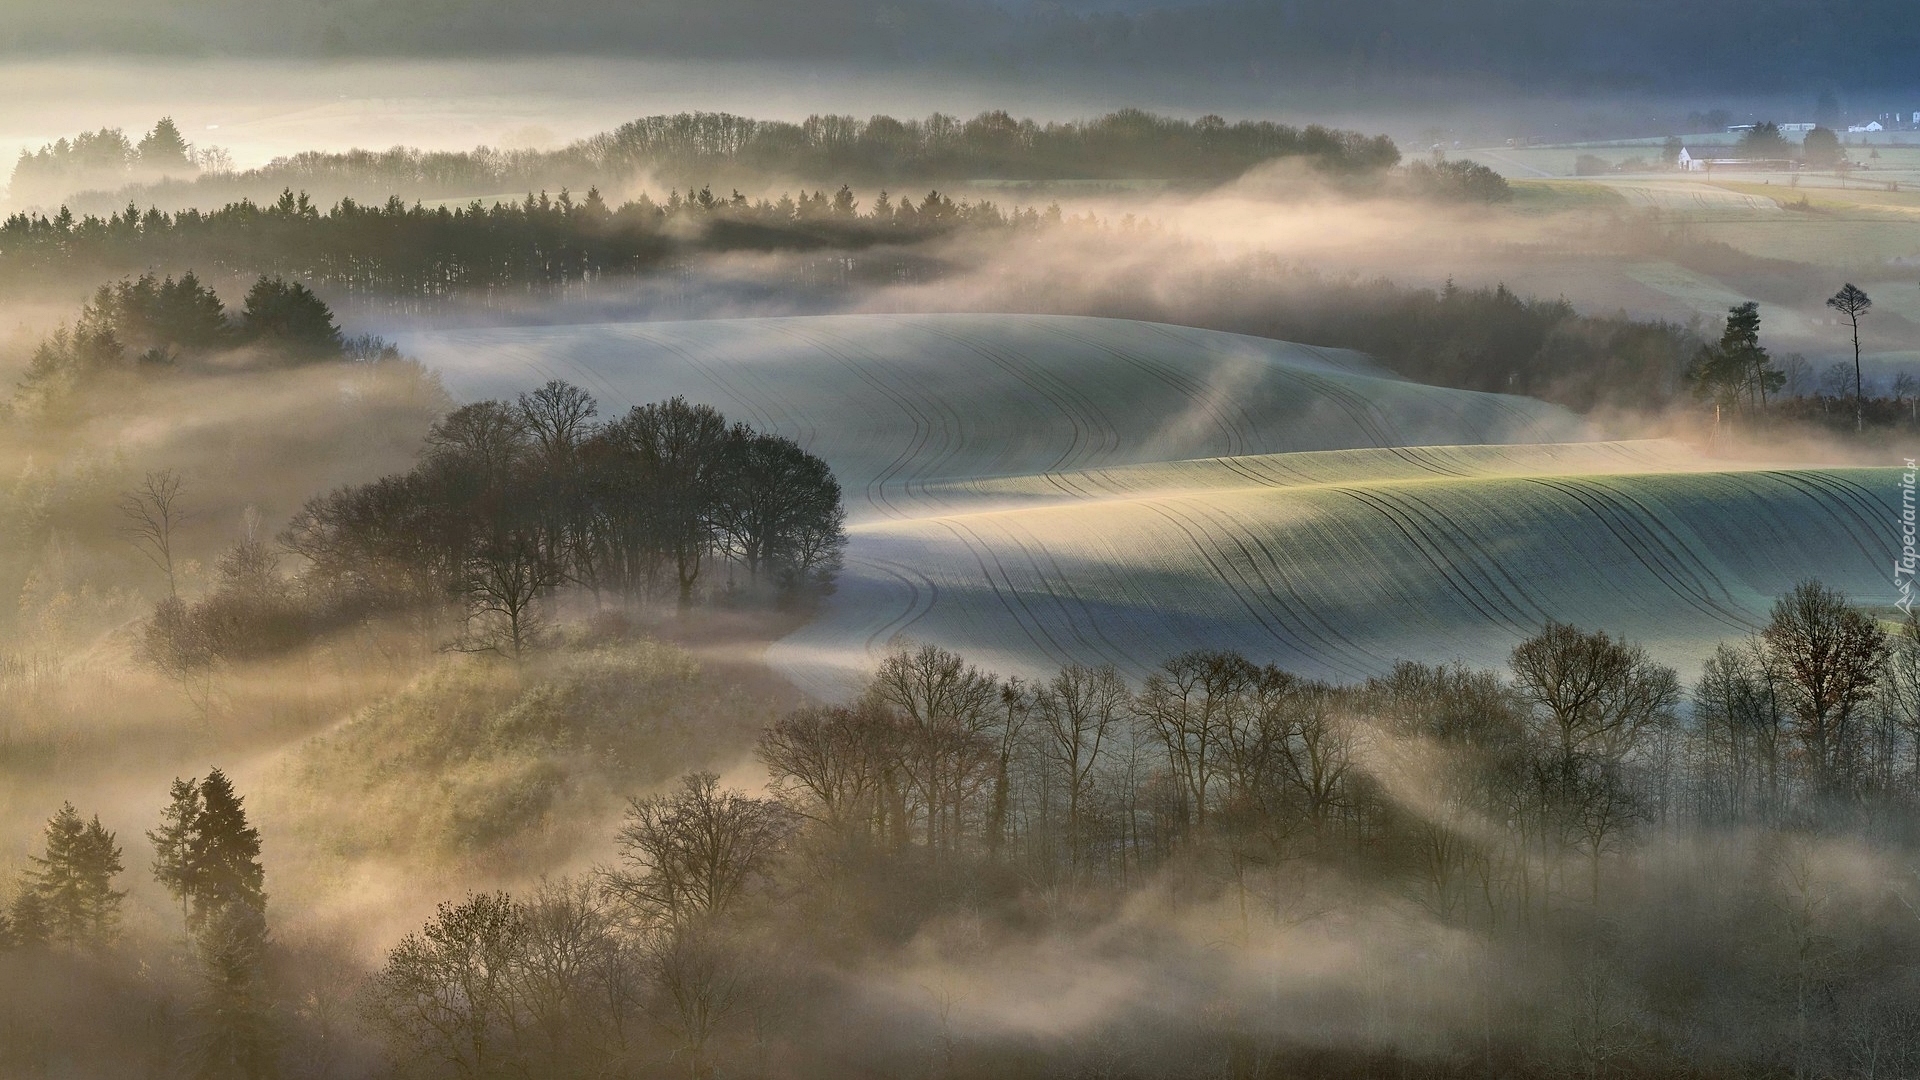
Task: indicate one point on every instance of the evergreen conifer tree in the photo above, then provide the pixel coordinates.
(164, 148)
(74, 881)
(173, 865)
(232, 1034)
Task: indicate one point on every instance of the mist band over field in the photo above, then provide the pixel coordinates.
(960, 540)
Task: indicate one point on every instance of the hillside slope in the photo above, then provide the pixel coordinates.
(1034, 490)
(1341, 579)
(899, 404)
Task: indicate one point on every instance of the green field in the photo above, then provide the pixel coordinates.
(1034, 490)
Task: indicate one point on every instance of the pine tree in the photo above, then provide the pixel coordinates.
(1738, 365)
(74, 881)
(285, 315)
(223, 855)
(164, 148)
(25, 924)
(173, 865)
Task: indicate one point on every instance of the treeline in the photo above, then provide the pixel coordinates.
(1123, 145)
(1493, 340)
(1533, 811)
(1487, 339)
(694, 148)
(511, 503)
(106, 159)
(1602, 872)
(418, 251)
(149, 326)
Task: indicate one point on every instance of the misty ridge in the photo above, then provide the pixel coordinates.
(100, 170)
(1224, 868)
(1132, 597)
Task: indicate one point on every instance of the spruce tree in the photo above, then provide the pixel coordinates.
(164, 148)
(208, 857)
(74, 881)
(223, 854)
(287, 317)
(173, 865)
(25, 925)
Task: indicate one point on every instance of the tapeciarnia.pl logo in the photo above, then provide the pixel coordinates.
(1903, 568)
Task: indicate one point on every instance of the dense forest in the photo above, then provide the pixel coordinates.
(690, 149)
(529, 246)
(1574, 866)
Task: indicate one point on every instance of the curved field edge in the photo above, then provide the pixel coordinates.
(900, 405)
(1340, 580)
(1374, 465)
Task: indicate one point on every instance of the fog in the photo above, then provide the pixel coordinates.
(495, 666)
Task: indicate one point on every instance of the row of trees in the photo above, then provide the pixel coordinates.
(1813, 720)
(431, 251)
(105, 159)
(1499, 803)
(1737, 373)
(689, 148)
(511, 503)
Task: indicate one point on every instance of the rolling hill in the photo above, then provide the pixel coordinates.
(903, 405)
(1033, 490)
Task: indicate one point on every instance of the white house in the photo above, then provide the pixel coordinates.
(1688, 161)
(1869, 126)
(1701, 159)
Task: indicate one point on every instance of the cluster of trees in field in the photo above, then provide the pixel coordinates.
(694, 148)
(1458, 181)
(150, 325)
(1488, 339)
(1740, 377)
(511, 503)
(418, 251)
(1616, 876)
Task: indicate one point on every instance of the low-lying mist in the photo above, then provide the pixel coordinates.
(488, 679)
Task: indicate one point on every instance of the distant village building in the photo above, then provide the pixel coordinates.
(1701, 159)
(1868, 127)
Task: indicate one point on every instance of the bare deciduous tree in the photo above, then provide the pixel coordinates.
(1831, 655)
(945, 708)
(694, 852)
(1079, 711)
(152, 512)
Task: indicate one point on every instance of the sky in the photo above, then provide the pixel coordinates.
(269, 77)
